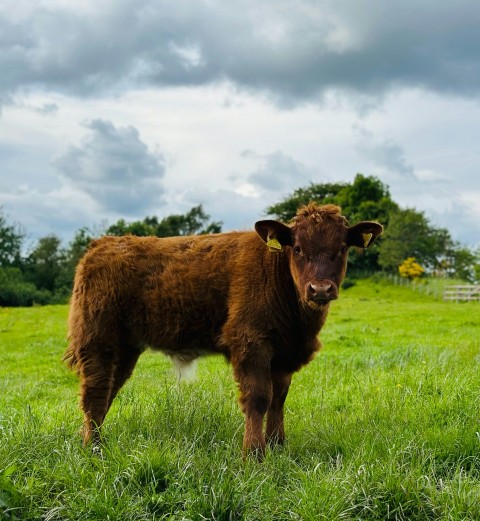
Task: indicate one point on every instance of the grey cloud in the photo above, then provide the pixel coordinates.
(390, 156)
(384, 154)
(115, 168)
(295, 51)
(47, 109)
(278, 172)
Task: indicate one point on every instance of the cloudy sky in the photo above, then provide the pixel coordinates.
(128, 108)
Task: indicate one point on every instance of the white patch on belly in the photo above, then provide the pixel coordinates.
(185, 367)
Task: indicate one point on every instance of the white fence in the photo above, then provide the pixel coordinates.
(461, 293)
(452, 293)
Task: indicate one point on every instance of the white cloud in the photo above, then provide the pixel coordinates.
(430, 176)
(472, 206)
(190, 55)
(247, 190)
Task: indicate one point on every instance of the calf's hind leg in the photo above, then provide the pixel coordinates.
(97, 376)
(126, 362)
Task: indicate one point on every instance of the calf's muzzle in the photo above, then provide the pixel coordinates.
(321, 291)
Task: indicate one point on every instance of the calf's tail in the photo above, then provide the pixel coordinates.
(76, 331)
(70, 356)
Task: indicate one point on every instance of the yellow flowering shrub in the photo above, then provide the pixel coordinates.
(411, 269)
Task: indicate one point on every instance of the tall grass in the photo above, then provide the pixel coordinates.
(384, 424)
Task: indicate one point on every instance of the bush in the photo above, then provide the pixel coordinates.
(15, 291)
(411, 269)
(348, 283)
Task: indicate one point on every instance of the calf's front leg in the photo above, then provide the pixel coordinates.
(275, 426)
(255, 384)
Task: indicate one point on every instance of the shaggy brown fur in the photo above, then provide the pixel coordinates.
(261, 307)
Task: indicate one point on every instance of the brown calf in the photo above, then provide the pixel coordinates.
(260, 299)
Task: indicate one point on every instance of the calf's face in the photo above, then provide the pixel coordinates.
(317, 249)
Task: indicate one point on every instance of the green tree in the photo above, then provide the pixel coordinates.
(322, 193)
(119, 228)
(193, 222)
(138, 228)
(409, 234)
(16, 291)
(366, 199)
(69, 261)
(44, 264)
(476, 267)
(11, 241)
(461, 262)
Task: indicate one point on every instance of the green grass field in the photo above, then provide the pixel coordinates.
(383, 424)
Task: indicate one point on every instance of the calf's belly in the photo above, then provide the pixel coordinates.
(185, 338)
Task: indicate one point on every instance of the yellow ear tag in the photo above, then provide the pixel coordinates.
(366, 239)
(274, 245)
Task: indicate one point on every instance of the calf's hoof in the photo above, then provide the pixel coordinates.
(275, 440)
(255, 451)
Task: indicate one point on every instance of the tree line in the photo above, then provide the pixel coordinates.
(45, 273)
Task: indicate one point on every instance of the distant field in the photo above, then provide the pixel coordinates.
(384, 424)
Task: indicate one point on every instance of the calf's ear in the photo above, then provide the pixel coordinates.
(274, 233)
(364, 234)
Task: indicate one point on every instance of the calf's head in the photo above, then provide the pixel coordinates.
(316, 244)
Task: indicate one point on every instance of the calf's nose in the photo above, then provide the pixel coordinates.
(320, 291)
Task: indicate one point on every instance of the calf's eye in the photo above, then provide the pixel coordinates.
(297, 250)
